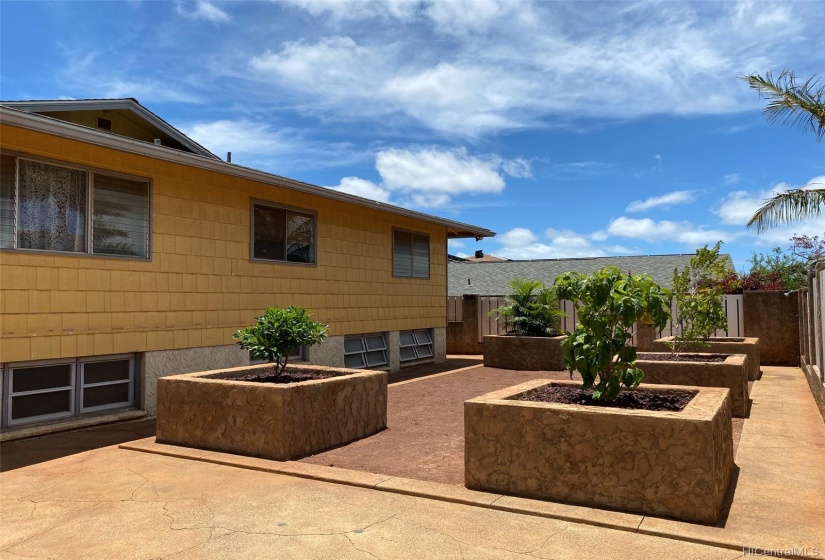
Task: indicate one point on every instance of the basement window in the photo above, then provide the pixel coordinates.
(365, 351)
(56, 389)
(415, 345)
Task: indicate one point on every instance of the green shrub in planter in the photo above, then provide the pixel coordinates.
(531, 309)
(609, 304)
(277, 332)
(699, 298)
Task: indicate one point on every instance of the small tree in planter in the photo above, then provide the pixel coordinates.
(609, 305)
(532, 309)
(699, 295)
(277, 332)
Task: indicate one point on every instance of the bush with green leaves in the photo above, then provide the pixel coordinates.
(532, 309)
(277, 332)
(609, 304)
(699, 296)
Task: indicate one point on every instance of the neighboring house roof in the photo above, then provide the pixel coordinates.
(493, 278)
(485, 258)
(208, 161)
(128, 109)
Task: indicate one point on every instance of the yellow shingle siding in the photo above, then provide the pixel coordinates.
(200, 286)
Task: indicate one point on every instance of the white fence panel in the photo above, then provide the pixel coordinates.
(487, 323)
(736, 316)
(455, 309)
(568, 322)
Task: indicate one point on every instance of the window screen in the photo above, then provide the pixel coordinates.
(120, 219)
(8, 178)
(410, 255)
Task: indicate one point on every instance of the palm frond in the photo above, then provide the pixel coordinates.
(792, 103)
(789, 206)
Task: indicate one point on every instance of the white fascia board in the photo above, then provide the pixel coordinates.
(48, 125)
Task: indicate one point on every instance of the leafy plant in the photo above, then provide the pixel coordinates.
(277, 332)
(699, 297)
(609, 304)
(532, 309)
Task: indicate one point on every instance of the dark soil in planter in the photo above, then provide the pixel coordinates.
(671, 400)
(267, 375)
(682, 357)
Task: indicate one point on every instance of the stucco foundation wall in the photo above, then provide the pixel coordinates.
(661, 463)
(329, 353)
(440, 344)
(283, 421)
(773, 318)
(731, 374)
(749, 347)
(156, 365)
(530, 353)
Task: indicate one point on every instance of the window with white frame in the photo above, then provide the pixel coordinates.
(415, 345)
(54, 389)
(282, 234)
(49, 207)
(365, 351)
(410, 255)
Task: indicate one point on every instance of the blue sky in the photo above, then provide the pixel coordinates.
(572, 129)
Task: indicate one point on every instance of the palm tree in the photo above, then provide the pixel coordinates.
(800, 105)
(531, 309)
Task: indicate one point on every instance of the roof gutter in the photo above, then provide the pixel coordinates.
(49, 125)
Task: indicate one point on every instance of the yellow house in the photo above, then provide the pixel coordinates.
(129, 252)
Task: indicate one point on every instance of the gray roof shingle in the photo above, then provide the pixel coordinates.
(493, 278)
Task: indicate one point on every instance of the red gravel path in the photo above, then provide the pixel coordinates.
(425, 435)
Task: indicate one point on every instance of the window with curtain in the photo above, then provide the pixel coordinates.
(48, 207)
(51, 208)
(282, 234)
(410, 255)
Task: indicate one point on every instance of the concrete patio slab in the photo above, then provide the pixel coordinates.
(116, 503)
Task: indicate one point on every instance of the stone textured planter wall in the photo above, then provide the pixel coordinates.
(462, 337)
(524, 352)
(283, 421)
(674, 464)
(732, 374)
(749, 346)
(773, 318)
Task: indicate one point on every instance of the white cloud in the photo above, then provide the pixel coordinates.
(236, 136)
(204, 10)
(521, 243)
(665, 230)
(428, 177)
(518, 167)
(731, 178)
(362, 188)
(665, 201)
(517, 238)
(435, 171)
(454, 67)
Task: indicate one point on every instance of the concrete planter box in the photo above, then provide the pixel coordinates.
(282, 421)
(674, 464)
(748, 346)
(533, 353)
(732, 374)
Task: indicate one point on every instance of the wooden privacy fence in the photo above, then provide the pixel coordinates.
(489, 324)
